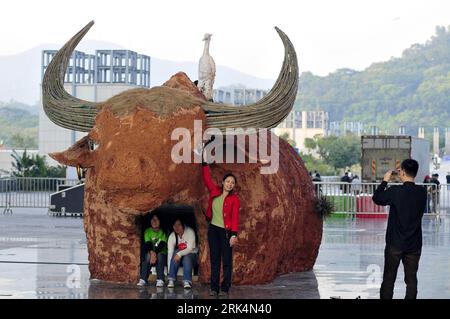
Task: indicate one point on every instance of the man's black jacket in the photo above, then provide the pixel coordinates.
(407, 204)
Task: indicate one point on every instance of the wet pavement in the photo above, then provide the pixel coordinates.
(46, 257)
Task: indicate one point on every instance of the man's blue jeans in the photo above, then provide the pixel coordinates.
(188, 261)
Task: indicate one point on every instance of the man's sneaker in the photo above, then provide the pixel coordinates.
(223, 293)
(187, 285)
(159, 283)
(160, 290)
(141, 283)
(213, 293)
(171, 284)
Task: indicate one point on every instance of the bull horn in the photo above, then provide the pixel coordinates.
(270, 110)
(62, 108)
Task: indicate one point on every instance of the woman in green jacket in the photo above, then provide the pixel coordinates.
(156, 252)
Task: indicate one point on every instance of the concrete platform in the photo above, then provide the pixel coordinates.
(46, 257)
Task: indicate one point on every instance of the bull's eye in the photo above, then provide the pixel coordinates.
(92, 145)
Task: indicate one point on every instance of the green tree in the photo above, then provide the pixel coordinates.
(285, 136)
(35, 165)
(316, 164)
(310, 143)
(20, 141)
(339, 152)
(56, 171)
(22, 164)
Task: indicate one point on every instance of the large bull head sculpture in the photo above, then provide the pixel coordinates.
(127, 154)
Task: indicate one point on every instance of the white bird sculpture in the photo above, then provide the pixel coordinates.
(206, 70)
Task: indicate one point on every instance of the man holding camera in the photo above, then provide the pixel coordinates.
(404, 230)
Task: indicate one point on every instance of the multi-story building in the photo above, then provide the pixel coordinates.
(238, 95)
(93, 77)
(300, 125)
(345, 128)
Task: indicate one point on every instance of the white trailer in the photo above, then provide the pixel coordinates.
(380, 153)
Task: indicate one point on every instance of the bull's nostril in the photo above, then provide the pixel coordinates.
(142, 163)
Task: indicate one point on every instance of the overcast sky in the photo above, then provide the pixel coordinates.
(327, 34)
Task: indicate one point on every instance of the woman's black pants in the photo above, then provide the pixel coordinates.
(219, 248)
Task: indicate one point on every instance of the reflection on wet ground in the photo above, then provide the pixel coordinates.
(45, 257)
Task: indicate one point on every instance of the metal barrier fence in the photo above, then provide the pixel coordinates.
(356, 198)
(29, 192)
(329, 179)
(348, 198)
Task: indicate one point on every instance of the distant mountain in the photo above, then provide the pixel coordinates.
(412, 90)
(32, 109)
(18, 126)
(21, 73)
(162, 70)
